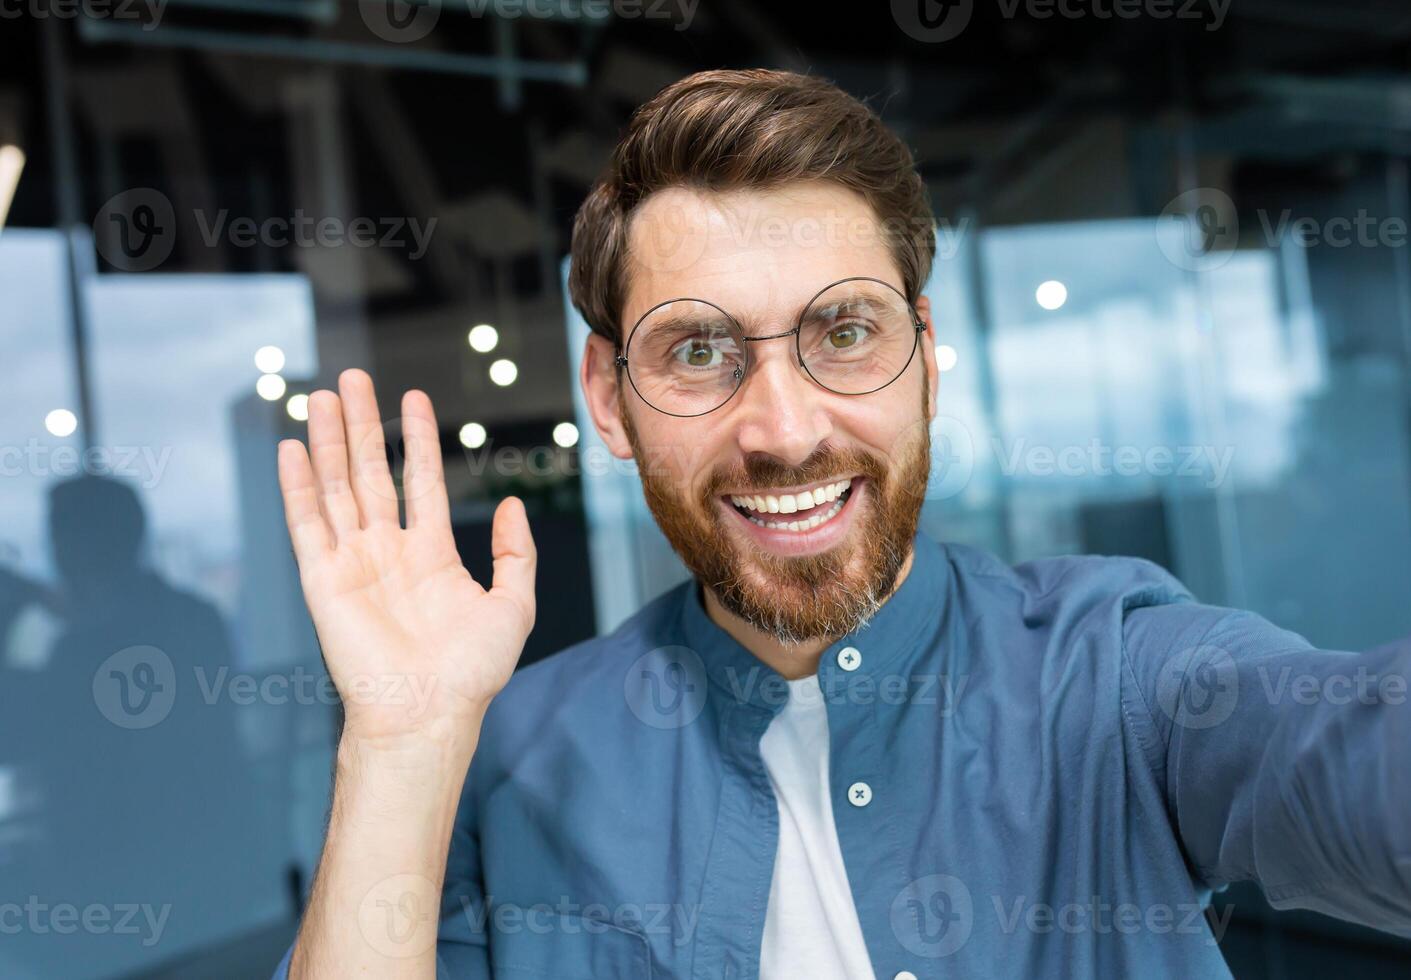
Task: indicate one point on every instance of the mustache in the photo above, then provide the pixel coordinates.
(763, 472)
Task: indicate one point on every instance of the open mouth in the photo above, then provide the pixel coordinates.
(796, 510)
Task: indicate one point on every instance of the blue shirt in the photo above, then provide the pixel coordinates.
(1036, 771)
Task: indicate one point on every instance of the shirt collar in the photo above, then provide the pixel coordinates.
(882, 646)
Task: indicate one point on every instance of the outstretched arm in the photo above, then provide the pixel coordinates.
(1283, 764)
(417, 649)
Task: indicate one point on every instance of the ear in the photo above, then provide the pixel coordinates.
(928, 354)
(599, 379)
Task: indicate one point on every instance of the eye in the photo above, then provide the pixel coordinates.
(698, 354)
(846, 335)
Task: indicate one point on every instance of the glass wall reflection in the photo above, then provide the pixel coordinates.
(162, 718)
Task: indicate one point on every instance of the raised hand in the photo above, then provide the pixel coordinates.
(414, 644)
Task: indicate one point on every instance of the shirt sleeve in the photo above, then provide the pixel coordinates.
(462, 951)
(1281, 763)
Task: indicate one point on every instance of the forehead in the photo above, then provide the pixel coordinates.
(758, 254)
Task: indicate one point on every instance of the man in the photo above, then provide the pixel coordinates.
(842, 750)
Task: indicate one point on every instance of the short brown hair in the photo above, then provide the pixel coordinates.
(727, 130)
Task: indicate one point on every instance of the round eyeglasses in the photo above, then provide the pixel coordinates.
(687, 357)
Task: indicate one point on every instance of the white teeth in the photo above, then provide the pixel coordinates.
(804, 525)
(793, 503)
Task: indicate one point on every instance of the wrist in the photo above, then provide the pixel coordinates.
(428, 756)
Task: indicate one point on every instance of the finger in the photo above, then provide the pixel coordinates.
(367, 449)
(307, 530)
(516, 558)
(423, 479)
(329, 450)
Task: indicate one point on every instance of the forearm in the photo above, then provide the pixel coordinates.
(374, 908)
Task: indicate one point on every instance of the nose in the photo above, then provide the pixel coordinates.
(780, 411)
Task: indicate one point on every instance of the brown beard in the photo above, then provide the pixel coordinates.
(809, 597)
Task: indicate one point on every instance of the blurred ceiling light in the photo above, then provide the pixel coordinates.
(269, 359)
(61, 422)
(472, 435)
(566, 435)
(503, 372)
(11, 163)
(1051, 294)
(946, 357)
(298, 408)
(483, 338)
(270, 387)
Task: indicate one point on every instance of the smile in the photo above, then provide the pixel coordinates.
(805, 510)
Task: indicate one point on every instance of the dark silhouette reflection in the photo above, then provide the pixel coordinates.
(131, 732)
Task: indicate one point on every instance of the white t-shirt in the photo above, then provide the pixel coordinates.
(810, 926)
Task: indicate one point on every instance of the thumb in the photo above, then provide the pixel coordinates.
(515, 556)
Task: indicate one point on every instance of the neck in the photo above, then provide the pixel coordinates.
(792, 661)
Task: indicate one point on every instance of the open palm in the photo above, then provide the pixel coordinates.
(412, 641)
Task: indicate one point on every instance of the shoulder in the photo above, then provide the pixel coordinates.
(1068, 583)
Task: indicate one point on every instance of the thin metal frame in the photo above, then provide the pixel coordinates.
(918, 324)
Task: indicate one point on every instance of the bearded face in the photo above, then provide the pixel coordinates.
(793, 503)
(864, 509)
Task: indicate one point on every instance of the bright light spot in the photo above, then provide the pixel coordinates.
(269, 359)
(472, 435)
(503, 372)
(270, 387)
(566, 434)
(483, 338)
(946, 356)
(11, 165)
(1051, 294)
(61, 422)
(298, 408)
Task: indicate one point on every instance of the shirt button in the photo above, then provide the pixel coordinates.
(849, 658)
(905, 975)
(859, 794)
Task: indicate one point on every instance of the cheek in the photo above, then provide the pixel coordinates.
(880, 424)
(680, 452)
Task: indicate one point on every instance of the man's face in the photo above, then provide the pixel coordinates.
(848, 471)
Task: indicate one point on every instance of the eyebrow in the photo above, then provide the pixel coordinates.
(858, 293)
(691, 321)
(870, 297)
